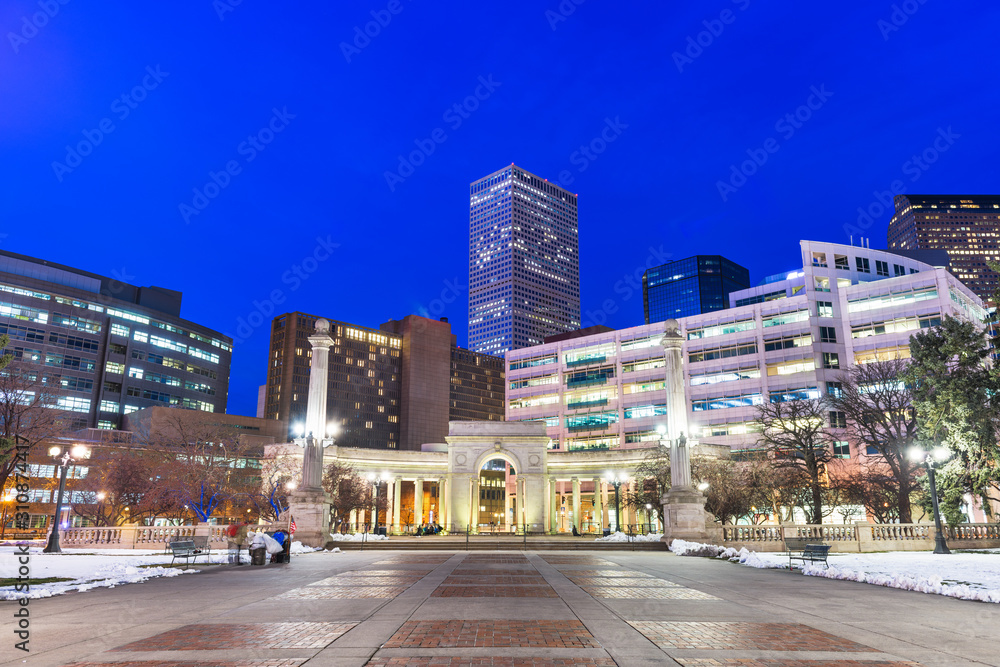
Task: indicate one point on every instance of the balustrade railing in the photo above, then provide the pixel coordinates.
(974, 531)
(862, 536)
(111, 536)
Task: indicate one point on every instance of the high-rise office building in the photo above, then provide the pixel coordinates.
(395, 387)
(524, 265)
(967, 226)
(106, 347)
(792, 339)
(699, 284)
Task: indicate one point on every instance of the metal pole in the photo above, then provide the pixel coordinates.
(53, 544)
(940, 545)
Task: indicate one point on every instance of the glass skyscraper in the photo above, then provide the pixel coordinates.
(699, 284)
(524, 266)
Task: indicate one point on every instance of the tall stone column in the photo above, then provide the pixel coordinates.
(598, 511)
(553, 507)
(397, 497)
(576, 503)
(442, 503)
(418, 501)
(447, 517)
(474, 509)
(309, 504)
(683, 505)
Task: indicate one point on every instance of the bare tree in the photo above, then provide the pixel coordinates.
(877, 404)
(349, 492)
(200, 463)
(794, 435)
(279, 473)
(872, 486)
(120, 488)
(29, 410)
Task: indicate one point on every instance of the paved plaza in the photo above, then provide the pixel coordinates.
(511, 609)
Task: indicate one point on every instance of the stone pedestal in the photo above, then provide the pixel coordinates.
(311, 511)
(684, 517)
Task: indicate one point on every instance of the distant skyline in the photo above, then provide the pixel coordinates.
(267, 159)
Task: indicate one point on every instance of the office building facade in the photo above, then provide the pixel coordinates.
(524, 265)
(966, 226)
(108, 348)
(699, 284)
(847, 305)
(395, 387)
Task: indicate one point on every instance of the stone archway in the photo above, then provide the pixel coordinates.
(524, 445)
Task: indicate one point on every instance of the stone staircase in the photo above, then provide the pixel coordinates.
(494, 543)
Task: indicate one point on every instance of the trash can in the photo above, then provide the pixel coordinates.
(607, 531)
(381, 531)
(258, 556)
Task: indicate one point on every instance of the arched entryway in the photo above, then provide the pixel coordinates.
(497, 496)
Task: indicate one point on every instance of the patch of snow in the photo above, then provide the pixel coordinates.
(357, 537)
(622, 537)
(93, 568)
(299, 548)
(967, 575)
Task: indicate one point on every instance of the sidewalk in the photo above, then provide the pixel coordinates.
(505, 608)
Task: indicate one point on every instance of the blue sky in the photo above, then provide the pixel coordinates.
(239, 152)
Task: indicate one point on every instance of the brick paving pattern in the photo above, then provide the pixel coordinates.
(218, 636)
(606, 573)
(417, 559)
(341, 592)
(193, 663)
(647, 593)
(620, 581)
(462, 634)
(576, 560)
(494, 571)
(375, 572)
(445, 591)
(789, 662)
(493, 579)
(491, 662)
(395, 580)
(742, 636)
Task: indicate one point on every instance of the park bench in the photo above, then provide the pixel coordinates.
(805, 551)
(188, 549)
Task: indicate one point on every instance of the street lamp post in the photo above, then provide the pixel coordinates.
(8, 497)
(939, 454)
(74, 454)
(649, 516)
(616, 481)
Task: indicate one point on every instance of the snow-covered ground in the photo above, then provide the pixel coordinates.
(622, 537)
(970, 575)
(357, 537)
(99, 568)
